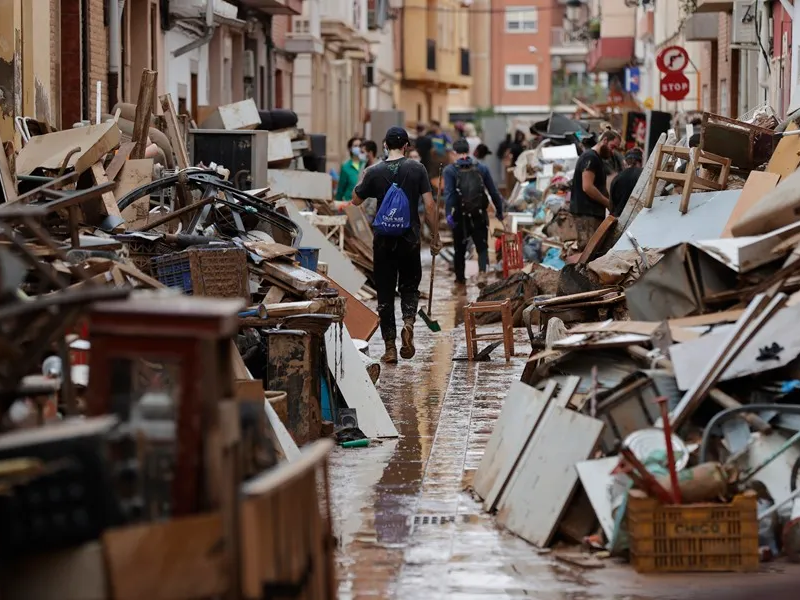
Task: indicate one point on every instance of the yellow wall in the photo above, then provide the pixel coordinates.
(414, 101)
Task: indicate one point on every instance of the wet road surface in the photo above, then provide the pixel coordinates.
(407, 528)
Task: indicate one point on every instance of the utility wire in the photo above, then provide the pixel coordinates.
(501, 11)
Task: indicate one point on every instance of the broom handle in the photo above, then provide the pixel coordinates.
(435, 233)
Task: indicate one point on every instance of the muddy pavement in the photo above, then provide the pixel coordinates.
(405, 526)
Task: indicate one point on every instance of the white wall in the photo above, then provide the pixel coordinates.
(667, 17)
(381, 96)
(178, 70)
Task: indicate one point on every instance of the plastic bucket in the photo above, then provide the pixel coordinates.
(308, 258)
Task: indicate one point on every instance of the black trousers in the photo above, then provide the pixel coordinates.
(397, 266)
(474, 226)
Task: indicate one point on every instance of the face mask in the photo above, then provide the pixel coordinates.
(362, 156)
(355, 151)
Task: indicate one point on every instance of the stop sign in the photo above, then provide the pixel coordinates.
(674, 86)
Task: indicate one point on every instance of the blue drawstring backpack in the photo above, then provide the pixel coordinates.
(394, 215)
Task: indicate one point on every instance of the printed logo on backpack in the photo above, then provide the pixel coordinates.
(394, 215)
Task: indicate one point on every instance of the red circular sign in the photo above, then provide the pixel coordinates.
(615, 98)
(674, 86)
(672, 59)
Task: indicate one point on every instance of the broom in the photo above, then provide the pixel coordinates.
(433, 325)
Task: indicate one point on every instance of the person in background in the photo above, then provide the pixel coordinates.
(589, 198)
(350, 171)
(414, 154)
(471, 135)
(397, 263)
(371, 152)
(440, 141)
(623, 184)
(465, 185)
(423, 145)
(481, 153)
(517, 146)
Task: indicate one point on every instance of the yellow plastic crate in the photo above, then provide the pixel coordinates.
(693, 537)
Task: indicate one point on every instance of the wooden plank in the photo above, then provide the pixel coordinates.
(355, 384)
(237, 115)
(49, 151)
(144, 112)
(595, 476)
(296, 277)
(116, 164)
(597, 239)
(284, 439)
(360, 320)
(758, 184)
(304, 185)
(522, 409)
(270, 251)
(172, 560)
(279, 146)
(174, 131)
(786, 157)
(358, 224)
(543, 483)
(340, 269)
(135, 173)
(109, 202)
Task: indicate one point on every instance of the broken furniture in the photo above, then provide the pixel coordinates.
(689, 180)
(332, 225)
(473, 337)
(747, 146)
(512, 253)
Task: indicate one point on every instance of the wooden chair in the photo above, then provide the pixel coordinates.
(507, 335)
(512, 253)
(690, 181)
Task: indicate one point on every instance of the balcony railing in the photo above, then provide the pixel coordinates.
(560, 38)
(465, 61)
(564, 95)
(431, 55)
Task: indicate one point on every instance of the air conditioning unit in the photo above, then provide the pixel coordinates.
(249, 67)
(744, 31)
(369, 75)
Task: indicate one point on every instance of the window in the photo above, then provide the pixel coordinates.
(522, 78)
(522, 19)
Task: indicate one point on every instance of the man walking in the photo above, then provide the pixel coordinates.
(589, 199)
(396, 255)
(465, 185)
(371, 151)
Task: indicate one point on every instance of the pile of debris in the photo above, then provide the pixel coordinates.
(656, 416)
(183, 289)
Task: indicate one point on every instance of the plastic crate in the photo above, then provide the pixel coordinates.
(693, 537)
(216, 272)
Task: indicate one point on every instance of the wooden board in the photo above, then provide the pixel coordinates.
(596, 241)
(786, 156)
(269, 251)
(176, 138)
(359, 225)
(174, 560)
(340, 269)
(595, 476)
(360, 320)
(777, 208)
(7, 180)
(279, 146)
(757, 185)
(305, 185)
(522, 410)
(135, 173)
(237, 115)
(296, 277)
(50, 150)
(543, 483)
(116, 164)
(108, 199)
(355, 384)
(284, 439)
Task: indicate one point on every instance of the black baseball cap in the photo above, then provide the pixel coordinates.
(461, 146)
(396, 138)
(633, 154)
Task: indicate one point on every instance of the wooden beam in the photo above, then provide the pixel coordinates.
(108, 204)
(174, 131)
(144, 110)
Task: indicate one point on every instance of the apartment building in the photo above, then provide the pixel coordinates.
(434, 56)
(612, 26)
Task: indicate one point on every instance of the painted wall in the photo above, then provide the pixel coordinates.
(179, 69)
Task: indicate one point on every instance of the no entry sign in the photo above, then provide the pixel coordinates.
(674, 86)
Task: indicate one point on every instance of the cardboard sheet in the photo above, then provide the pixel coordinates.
(779, 207)
(758, 184)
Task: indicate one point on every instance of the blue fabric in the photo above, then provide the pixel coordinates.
(394, 215)
(451, 199)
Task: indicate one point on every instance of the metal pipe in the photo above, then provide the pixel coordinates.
(721, 416)
(788, 444)
(115, 9)
(775, 507)
(205, 38)
(763, 41)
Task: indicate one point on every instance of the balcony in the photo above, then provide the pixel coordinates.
(610, 54)
(337, 20)
(702, 28)
(465, 62)
(306, 34)
(563, 95)
(276, 7)
(562, 45)
(430, 55)
(714, 6)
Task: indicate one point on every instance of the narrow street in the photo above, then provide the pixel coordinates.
(406, 526)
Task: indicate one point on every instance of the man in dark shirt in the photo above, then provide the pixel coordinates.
(474, 225)
(424, 145)
(623, 184)
(396, 259)
(589, 198)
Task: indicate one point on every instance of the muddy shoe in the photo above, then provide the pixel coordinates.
(407, 350)
(460, 288)
(482, 280)
(390, 355)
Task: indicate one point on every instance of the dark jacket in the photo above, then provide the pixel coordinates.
(451, 199)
